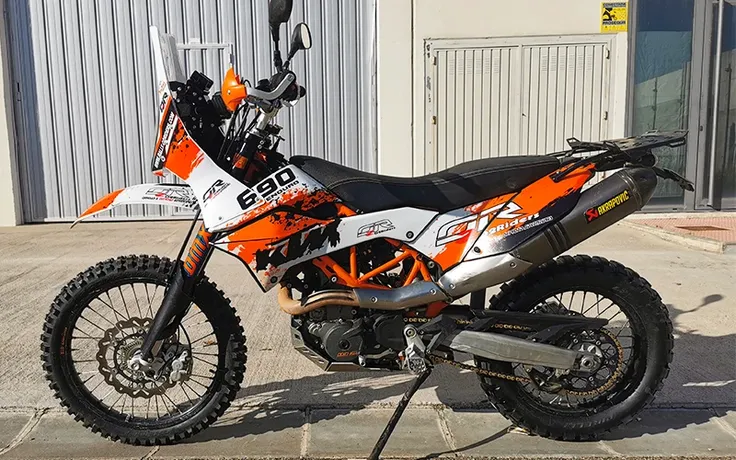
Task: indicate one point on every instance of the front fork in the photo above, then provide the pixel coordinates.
(179, 292)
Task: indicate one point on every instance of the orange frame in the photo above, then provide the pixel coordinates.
(353, 279)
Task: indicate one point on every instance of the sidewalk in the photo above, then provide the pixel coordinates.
(428, 431)
(715, 232)
(346, 412)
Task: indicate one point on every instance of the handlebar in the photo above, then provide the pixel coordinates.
(270, 96)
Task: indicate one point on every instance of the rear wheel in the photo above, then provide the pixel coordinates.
(635, 349)
(97, 323)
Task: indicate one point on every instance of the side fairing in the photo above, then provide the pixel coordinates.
(176, 195)
(301, 230)
(500, 224)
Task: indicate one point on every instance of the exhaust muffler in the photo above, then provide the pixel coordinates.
(599, 207)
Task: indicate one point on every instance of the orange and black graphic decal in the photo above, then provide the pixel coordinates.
(533, 209)
(197, 251)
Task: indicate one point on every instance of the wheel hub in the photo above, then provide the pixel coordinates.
(120, 344)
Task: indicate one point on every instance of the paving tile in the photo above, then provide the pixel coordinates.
(727, 417)
(10, 426)
(673, 432)
(349, 434)
(59, 436)
(241, 433)
(486, 433)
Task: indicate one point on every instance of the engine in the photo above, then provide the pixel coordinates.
(345, 334)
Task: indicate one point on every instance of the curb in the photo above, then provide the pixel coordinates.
(693, 242)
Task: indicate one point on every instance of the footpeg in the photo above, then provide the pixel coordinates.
(414, 354)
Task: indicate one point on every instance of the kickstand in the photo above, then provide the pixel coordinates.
(381, 443)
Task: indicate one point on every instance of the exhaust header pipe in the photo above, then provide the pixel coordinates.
(413, 295)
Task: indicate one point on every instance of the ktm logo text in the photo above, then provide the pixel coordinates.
(458, 228)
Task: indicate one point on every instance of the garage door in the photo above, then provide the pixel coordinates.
(85, 106)
(516, 96)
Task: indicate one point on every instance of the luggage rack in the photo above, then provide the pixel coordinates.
(619, 153)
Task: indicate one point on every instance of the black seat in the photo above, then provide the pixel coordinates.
(453, 188)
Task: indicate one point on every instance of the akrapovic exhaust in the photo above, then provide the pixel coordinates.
(600, 206)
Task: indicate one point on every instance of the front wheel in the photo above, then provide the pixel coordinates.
(98, 322)
(635, 349)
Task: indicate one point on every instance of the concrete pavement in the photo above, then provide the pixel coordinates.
(697, 286)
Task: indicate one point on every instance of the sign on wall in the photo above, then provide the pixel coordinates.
(614, 17)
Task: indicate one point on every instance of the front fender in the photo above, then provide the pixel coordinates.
(176, 195)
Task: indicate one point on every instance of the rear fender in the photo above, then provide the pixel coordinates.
(180, 196)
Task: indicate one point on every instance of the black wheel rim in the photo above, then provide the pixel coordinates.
(124, 302)
(617, 341)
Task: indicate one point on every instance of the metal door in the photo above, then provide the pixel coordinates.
(514, 96)
(85, 105)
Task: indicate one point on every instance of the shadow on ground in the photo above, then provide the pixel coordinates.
(273, 418)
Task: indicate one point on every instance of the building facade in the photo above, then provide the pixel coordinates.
(400, 87)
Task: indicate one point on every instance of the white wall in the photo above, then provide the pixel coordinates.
(10, 211)
(403, 27)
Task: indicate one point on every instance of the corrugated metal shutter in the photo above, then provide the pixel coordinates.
(515, 96)
(85, 110)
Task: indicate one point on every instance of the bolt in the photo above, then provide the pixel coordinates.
(598, 342)
(411, 333)
(512, 265)
(476, 250)
(353, 311)
(274, 279)
(433, 291)
(410, 235)
(334, 279)
(430, 264)
(374, 299)
(591, 379)
(452, 286)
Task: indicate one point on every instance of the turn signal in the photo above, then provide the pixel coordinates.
(233, 91)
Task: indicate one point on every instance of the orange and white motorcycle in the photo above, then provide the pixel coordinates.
(371, 269)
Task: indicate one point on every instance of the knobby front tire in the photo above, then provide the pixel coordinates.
(118, 424)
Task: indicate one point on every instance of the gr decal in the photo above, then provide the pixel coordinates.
(594, 213)
(274, 185)
(456, 229)
(375, 228)
(215, 190)
(168, 194)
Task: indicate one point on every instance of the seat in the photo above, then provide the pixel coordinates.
(453, 188)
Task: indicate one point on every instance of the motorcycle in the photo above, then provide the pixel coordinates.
(371, 270)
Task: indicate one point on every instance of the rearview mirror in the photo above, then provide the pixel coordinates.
(279, 11)
(301, 39)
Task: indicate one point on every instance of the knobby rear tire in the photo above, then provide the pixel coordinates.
(59, 368)
(639, 299)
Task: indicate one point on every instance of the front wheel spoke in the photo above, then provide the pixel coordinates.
(122, 297)
(201, 353)
(193, 390)
(203, 360)
(198, 383)
(135, 296)
(176, 406)
(201, 338)
(186, 394)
